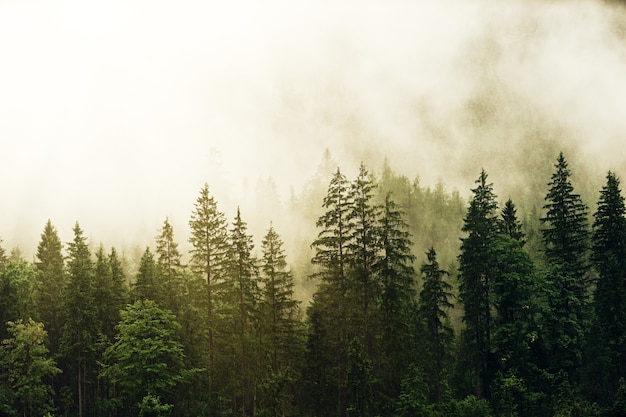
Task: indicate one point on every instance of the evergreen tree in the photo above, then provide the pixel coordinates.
(50, 284)
(148, 284)
(434, 304)
(395, 271)
(81, 328)
(565, 237)
(169, 261)
(609, 260)
(16, 281)
(331, 304)
(363, 250)
(476, 273)
(565, 231)
(280, 327)
(209, 240)
(509, 225)
(243, 276)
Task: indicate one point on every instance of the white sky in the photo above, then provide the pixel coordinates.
(114, 113)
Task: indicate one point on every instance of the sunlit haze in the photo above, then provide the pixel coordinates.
(115, 113)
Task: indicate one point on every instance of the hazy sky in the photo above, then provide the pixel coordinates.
(114, 113)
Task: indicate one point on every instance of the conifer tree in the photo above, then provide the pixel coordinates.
(50, 284)
(16, 282)
(434, 305)
(279, 326)
(170, 267)
(510, 225)
(81, 328)
(331, 335)
(243, 277)
(364, 249)
(565, 237)
(476, 274)
(609, 260)
(148, 284)
(565, 232)
(209, 240)
(395, 271)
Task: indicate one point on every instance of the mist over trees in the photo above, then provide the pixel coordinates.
(412, 301)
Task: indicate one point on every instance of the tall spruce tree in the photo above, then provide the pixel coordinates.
(50, 284)
(243, 280)
(476, 273)
(280, 327)
(331, 306)
(209, 240)
(148, 284)
(364, 250)
(609, 260)
(565, 231)
(395, 271)
(510, 225)
(434, 306)
(565, 235)
(81, 329)
(170, 267)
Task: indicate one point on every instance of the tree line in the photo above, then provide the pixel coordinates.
(503, 331)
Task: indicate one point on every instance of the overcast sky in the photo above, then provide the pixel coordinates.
(114, 113)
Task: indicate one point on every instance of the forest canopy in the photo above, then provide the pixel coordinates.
(412, 301)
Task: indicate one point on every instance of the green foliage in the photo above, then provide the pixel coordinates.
(150, 406)
(50, 284)
(413, 398)
(618, 408)
(170, 267)
(360, 380)
(397, 299)
(25, 366)
(565, 231)
(148, 284)
(434, 305)
(146, 358)
(209, 240)
(476, 273)
(16, 282)
(609, 260)
(280, 327)
(81, 330)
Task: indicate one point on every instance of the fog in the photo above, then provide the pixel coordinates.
(115, 113)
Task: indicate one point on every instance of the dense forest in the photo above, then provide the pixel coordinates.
(418, 302)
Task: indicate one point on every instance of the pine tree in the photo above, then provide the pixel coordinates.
(565, 231)
(50, 284)
(209, 240)
(434, 305)
(395, 271)
(609, 260)
(509, 223)
(243, 276)
(565, 237)
(476, 273)
(363, 250)
(169, 261)
(280, 326)
(81, 328)
(331, 304)
(16, 282)
(148, 284)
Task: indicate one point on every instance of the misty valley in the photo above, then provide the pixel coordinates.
(413, 302)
